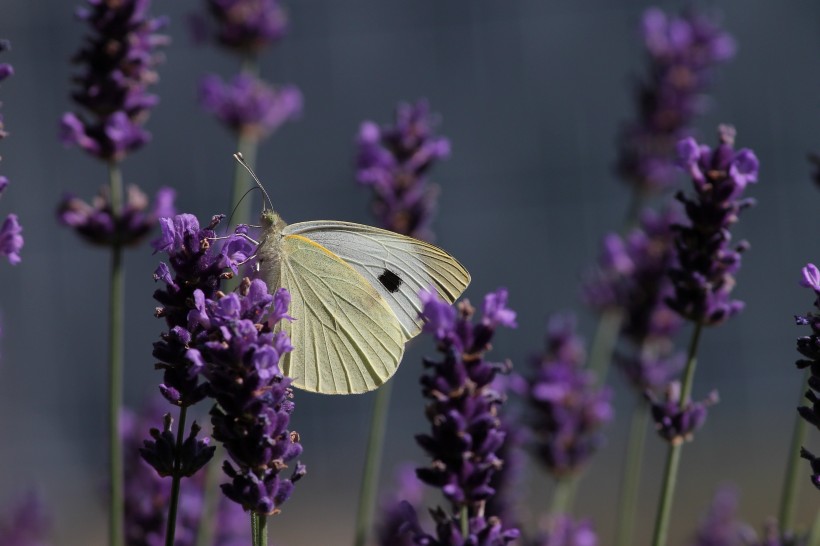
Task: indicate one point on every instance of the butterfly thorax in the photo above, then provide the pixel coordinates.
(269, 251)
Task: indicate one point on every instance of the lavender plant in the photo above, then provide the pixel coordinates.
(197, 267)
(393, 160)
(26, 523)
(567, 409)
(147, 495)
(702, 279)
(117, 65)
(683, 52)
(251, 108)
(463, 412)
(11, 238)
(392, 529)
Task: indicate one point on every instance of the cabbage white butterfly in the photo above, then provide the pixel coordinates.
(354, 297)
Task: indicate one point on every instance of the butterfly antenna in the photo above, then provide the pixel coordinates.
(238, 157)
(244, 195)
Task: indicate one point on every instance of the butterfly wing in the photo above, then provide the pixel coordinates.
(346, 338)
(397, 266)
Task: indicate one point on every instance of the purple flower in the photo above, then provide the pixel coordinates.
(244, 26)
(97, 224)
(161, 452)
(394, 161)
(677, 423)
(393, 529)
(567, 409)
(25, 523)
(631, 278)
(683, 52)
(147, 495)
(240, 357)
(119, 60)
(462, 409)
(564, 531)
(809, 347)
(11, 240)
(249, 106)
(703, 277)
(197, 265)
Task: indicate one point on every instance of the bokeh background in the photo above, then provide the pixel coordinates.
(531, 94)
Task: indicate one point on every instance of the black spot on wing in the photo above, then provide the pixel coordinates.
(390, 281)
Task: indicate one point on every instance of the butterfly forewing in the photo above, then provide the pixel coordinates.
(346, 337)
(397, 267)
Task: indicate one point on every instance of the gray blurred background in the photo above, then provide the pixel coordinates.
(531, 93)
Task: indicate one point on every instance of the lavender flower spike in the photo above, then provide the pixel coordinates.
(703, 278)
(245, 26)
(248, 106)
(26, 523)
(11, 238)
(466, 433)
(394, 162)
(98, 225)
(683, 52)
(197, 264)
(119, 61)
(239, 355)
(567, 409)
(674, 423)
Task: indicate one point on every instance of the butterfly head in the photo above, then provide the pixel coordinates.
(271, 221)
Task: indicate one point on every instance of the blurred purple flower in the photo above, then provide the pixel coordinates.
(197, 266)
(394, 161)
(721, 526)
(119, 60)
(632, 278)
(463, 412)
(392, 529)
(147, 496)
(243, 26)
(564, 531)
(674, 423)
(567, 409)
(11, 238)
(683, 52)
(248, 105)
(25, 523)
(96, 223)
(703, 277)
(239, 354)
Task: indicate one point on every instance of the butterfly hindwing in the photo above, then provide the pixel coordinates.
(347, 336)
(397, 267)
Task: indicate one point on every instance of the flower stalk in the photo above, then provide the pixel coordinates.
(176, 478)
(791, 483)
(115, 370)
(674, 453)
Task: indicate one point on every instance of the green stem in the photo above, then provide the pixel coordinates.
(563, 495)
(247, 145)
(673, 455)
(632, 473)
(791, 483)
(207, 522)
(814, 534)
(115, 371)
(259, 529)
(603, 344)
(464, 518)
(372, 464)
(170, 528)
(241, 208)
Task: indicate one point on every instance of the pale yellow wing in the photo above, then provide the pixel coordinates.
(346, 338)
(397, 266)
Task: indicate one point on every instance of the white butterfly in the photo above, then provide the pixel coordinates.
(354, 297)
